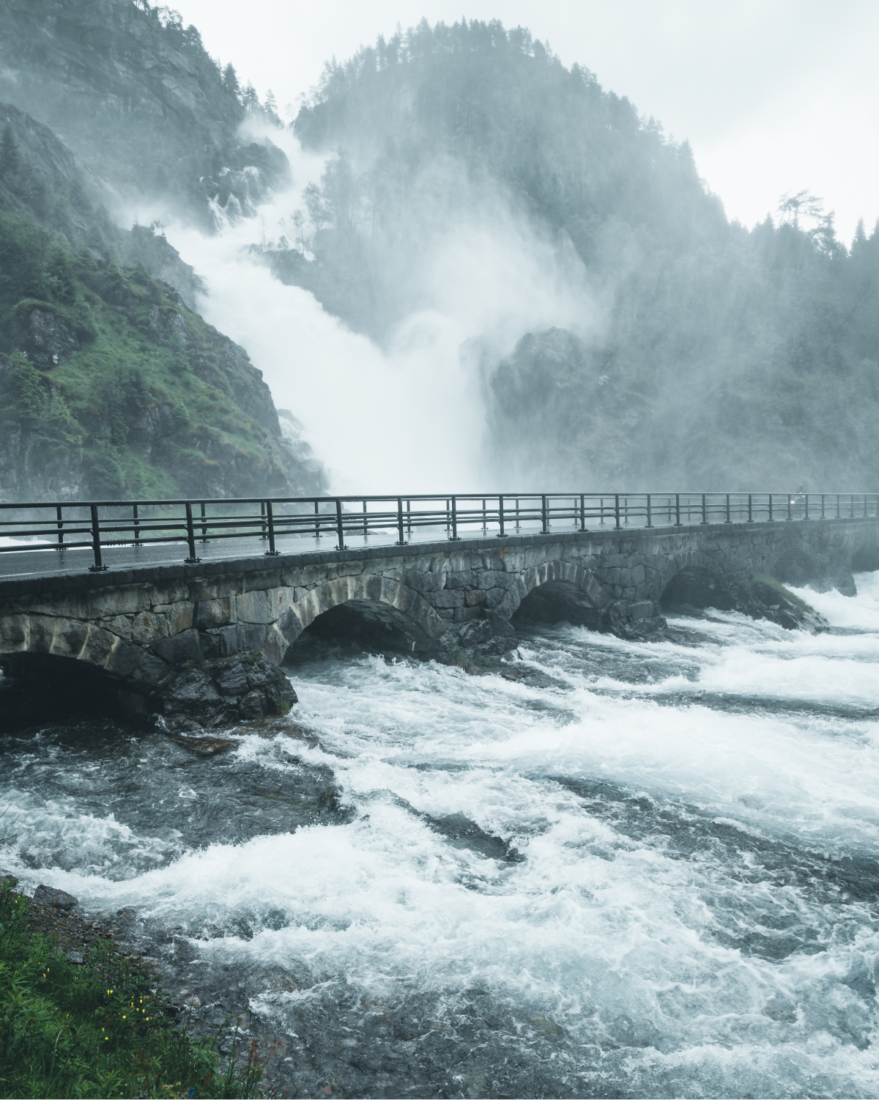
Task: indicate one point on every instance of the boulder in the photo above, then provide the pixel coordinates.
(58, 899)
(224, 691)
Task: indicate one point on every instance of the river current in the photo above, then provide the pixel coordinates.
(609, 869)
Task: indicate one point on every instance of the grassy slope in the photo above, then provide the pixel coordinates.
(153, 401)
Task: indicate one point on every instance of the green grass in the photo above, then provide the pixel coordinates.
(148, 365)
(98, 1029)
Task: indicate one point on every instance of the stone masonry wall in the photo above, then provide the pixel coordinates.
(139, 625)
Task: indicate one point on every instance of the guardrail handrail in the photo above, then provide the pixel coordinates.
(98, 524)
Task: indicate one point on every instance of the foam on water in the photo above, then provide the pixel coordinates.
(689, 903)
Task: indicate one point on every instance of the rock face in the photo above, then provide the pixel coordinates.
(47, 339)
(137, 97)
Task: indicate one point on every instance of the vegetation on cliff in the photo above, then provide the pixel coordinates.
(110, 385)
(134, 93)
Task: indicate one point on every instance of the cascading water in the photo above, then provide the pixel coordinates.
(608, 868)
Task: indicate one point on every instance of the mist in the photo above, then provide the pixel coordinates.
(407, 412)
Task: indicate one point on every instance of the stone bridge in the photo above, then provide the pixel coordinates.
(135, 629)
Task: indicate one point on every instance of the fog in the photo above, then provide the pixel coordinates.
(407, 414)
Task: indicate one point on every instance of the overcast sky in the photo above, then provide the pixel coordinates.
(773, 95)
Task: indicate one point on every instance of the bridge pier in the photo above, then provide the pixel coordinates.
(148, 636)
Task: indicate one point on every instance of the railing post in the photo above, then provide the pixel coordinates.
(317, 519)
(401, 541)
(136, 525)
(340, 529)
(58, 513)
(750, 510)
(270, 517)
(204, 526)
(704, 512)
(543, 513)
(262, 514)
(677, 509)
(616, 510)
(582, 511)
(790, 504)
(99, 566)
(649, 511)
(190, 537)
(728, 520)
(626, 510)
(484, 520)
(518, 527)
(500, 516)
(807, 507)
(409, 518)
(770, 508)
(365, 522)
(454, 537)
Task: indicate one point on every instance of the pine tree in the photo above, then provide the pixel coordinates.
(230, 79)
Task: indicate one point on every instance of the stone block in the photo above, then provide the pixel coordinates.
(448, 598)
(97, 646)
(147, 628)
(466, 614)
(179, 648)
(217, 612)
(124, 660)
(476, 598)
(180, 616)
(107, 602)
(69, 638)
(13, 633)
(41, 632)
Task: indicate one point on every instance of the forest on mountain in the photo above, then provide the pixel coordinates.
(135, 94)
(697, 354)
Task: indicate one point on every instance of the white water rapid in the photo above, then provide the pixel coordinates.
(608, 869)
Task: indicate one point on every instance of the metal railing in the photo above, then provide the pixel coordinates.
(99, 525)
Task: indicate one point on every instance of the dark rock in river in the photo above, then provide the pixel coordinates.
(223, 692)
(58, 899)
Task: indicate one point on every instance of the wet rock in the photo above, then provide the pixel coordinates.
(48, 339)
(76, 957)
(222, 692)
(204, 746)
(461, 832)
(58, 899)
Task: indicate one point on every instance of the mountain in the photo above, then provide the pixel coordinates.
(111, 386)
(693, 353)
(135, 95)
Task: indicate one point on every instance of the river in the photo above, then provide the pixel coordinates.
(618, 869)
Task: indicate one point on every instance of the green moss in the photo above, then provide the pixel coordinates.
(146, 368)
(782, 591)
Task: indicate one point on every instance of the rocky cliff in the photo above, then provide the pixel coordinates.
(136, 96)
(110, 384)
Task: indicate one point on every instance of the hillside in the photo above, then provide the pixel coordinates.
(110, 385)
(138, 99)
(695, 354)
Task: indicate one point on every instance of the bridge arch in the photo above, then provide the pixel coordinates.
(556, 591)
(369, 608)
